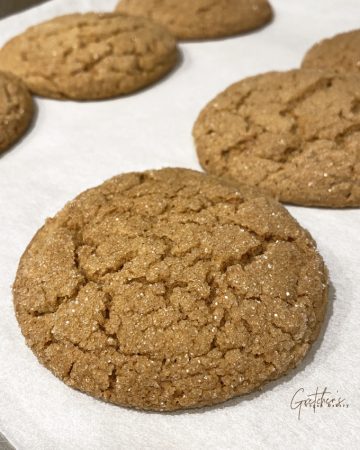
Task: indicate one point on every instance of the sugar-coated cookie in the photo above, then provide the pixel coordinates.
(294, 134)
(202, 19)
(170, 289)
(16, 110)
(90, 56)
(340, 53)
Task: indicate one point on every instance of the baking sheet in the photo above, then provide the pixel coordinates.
(73, 146)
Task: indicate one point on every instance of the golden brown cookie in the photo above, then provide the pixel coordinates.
(90, 56)
(16, 110)
(170, 289)
(202, 19)
(340, 53)
(294, 134)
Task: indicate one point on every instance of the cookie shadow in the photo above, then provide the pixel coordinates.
(14, 146)
(309, 358)
(321, 208)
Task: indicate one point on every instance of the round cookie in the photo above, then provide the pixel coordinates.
(16, 110)
(170, 289)
(340, 53)
(90, 56)
(202, 19)
(295, 134)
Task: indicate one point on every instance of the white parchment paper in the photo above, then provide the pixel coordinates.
(73, 146)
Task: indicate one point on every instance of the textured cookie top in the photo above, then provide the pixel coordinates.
(170, 289)
(340, 53)
(16, 109)
(90, 56)
(295, 134)
(199, 19)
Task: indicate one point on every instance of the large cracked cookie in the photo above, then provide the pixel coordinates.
(340, 53)
(201, 19)
(16, 110)
(90, 56)
(170, 289)
(294, 134)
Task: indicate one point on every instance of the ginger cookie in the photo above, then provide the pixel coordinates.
(202, 19)
(340, 53)
(295, 134)
(170, 289)
(90, 56)
(16, 110)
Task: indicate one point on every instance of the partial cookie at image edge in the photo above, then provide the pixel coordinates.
(295, 135)
(340, 53)
(16, 110)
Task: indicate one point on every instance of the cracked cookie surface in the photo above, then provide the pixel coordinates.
(16, 110)
(202, 19)
(90, 56)
(340, 54)
(294, 134)
(170, 289)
